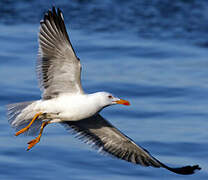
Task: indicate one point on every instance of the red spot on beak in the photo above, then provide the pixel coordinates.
(124, 102)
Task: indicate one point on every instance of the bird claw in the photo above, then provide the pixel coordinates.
(21, 131)
(32, 143)
(37, 139)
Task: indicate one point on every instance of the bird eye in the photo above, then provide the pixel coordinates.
(110, 96)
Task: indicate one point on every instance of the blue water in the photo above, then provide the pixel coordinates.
(152, 53)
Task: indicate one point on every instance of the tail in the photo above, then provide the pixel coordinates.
(19, 116)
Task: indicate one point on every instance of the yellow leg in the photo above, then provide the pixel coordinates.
(37, 139)
(28, 126)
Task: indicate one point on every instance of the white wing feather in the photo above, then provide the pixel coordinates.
(58, 68)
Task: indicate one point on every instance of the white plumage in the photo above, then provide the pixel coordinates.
(64, 101)
(66, 107)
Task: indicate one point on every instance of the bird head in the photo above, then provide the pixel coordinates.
(107, 99)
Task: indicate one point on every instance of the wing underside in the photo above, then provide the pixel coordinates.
(101, 134)
(58, 68)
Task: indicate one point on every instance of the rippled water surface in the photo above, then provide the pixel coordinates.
(152, 53)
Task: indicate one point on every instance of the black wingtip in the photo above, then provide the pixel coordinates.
(186, 170)
(50, 13)
(54, 9)
(59, 10)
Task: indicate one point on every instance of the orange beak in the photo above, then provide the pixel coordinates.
(124, 102)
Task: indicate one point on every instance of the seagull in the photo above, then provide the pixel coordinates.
(64, 101)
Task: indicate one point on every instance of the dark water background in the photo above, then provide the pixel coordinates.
(151, 52)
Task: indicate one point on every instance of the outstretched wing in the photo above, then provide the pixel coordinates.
(101, 134)
(58, 68)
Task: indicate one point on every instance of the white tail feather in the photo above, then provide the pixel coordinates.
(19, 116)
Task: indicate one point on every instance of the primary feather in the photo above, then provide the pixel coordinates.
(58, 71)
(58, 68)
(104, 136)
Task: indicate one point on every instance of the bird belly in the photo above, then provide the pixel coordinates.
(68, 109)
(75, 114)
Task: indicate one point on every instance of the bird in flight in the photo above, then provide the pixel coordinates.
(64, 101)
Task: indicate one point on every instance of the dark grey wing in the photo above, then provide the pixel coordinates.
(58, 68)
(101, 134)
